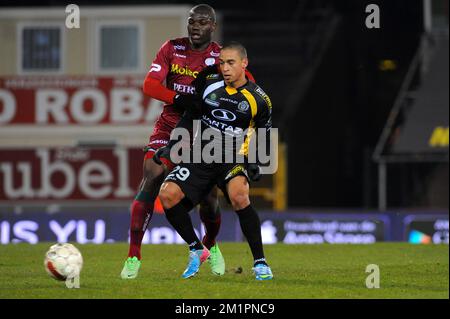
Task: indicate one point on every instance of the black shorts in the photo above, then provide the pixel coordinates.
(197, 180)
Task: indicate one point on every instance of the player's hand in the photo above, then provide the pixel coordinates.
(189, 102)
(254, 172)
(162, 152)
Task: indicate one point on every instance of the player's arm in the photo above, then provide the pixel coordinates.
(263, 121)
(157, 74)
(185, 122)
(191, 103)
(156, 90)
(200, 81)
(187, 100)
(263, 118)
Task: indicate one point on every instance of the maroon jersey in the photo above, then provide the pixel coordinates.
(178, 65)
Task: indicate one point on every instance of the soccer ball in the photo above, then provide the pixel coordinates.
(63, 261)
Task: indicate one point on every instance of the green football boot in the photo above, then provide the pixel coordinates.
(216, 261)
(130, 268)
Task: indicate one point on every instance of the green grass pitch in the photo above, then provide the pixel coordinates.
(300, 271)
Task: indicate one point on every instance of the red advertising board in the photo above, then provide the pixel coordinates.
(49, 114)
(69, 174)
(61, 100)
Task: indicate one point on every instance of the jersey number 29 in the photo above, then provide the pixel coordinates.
(180, 173)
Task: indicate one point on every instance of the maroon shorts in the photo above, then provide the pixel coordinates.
(160, 137)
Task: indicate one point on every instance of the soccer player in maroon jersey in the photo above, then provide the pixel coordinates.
(177, 63)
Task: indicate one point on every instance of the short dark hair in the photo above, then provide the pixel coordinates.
(236, 46)
(204, 9)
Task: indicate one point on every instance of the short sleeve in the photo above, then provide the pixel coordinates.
(161, 64)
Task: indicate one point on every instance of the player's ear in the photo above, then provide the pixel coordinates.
(244, 63)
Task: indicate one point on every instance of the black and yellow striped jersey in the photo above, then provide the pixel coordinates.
(232, 112)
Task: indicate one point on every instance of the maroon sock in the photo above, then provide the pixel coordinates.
(212, 223)
(141, 213)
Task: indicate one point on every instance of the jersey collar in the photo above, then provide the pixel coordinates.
(231, 90)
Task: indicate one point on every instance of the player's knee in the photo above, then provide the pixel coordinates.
(152, 169)
(170, 194)
(153, 177)
(239, 200)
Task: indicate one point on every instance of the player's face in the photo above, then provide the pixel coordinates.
(232, 66)
(200, 28)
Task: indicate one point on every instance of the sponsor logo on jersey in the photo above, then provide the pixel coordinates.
(155, 67)
(159, 142)
(243, 106)
(177, 69)
(224, 115)
(224, 127)
(264, 96)
(235, 171)
(228, 100)
(210, 61)
(179, 47)
(182, 88)
(180, 55)
(214, 54)
(212, 103)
